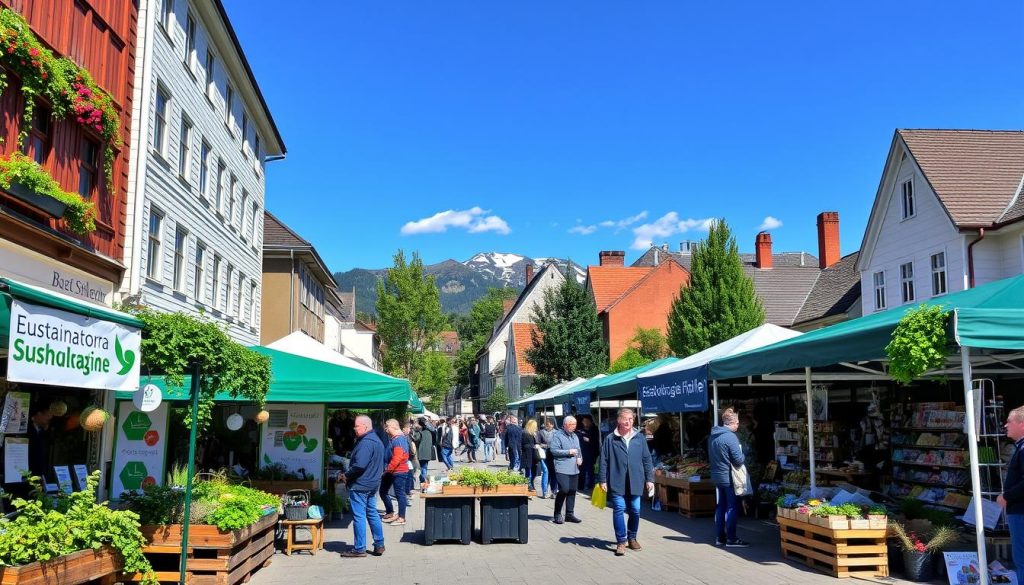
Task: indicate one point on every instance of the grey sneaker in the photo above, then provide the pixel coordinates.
(558, 519)
(738, 543)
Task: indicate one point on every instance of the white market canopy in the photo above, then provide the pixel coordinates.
(760, 336)
(298, 343)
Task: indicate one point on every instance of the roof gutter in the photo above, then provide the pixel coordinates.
(970, 257)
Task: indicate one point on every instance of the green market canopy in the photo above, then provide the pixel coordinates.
(990, 316)
(300, 379)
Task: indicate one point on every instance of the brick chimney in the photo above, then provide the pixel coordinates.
(828, 238)
(612, 258)
(529, 274)
(763, 249)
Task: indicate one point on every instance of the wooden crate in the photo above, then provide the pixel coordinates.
(691, 499)
(840, 553)
(83, 566)
(215, 557)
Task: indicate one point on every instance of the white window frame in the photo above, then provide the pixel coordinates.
(160, 120)
(218, 199)
(167, 16)
(185, 148)
(178, 279)
(253, 289)
(205, 154)
(199, 272)
(229, 105)
(908, 199)
(232, 188)
(228, 292)
(245, 131)
(211, 79)
(215, 293)
(255, 223)
(878, 286)
(243, 212)
(154, 245)
(907, 288)
(190, 42)
(940, 274)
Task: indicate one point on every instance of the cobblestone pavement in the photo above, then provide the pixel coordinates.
(676, 550)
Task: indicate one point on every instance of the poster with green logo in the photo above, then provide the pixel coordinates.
(294, 436)
(140, 449)
(58, 348)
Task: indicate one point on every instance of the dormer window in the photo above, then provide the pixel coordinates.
(909, 201)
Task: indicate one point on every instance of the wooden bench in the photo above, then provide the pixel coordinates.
(316, 531)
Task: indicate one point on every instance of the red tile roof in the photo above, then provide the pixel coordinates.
(609, 283)
(975, 173)
(522, 336)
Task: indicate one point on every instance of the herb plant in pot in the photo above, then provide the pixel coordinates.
(919, 549)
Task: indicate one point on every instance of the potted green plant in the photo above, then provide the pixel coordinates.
(878, 517)
(276, 478)
(855, 516)
(919, 549)
(70, 539)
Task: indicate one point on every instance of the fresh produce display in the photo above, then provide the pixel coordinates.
(684, 467)
(214, 501)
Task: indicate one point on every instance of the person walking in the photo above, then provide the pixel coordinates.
(546, 435)
(502, 445)
(362, 479)
(447, 441)
(423, 437)
(565, 447)
(590, 445)
(514, 438)
(489, 432)
(414, 460)
(724, 453)
(474, 439)
(1012, 498)
(528, 452)
(396, 474)
(463, 440)
(625, 472)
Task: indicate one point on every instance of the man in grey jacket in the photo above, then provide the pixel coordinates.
(565, 448)
(724, 452)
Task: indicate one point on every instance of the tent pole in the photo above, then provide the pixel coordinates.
(972, 445)
(714, 387)
(682, 435)
(190, 475)
(810, 430)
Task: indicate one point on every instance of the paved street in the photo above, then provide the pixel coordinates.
(676, 550)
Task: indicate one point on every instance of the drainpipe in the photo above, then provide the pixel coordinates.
(970, 257)
(291, 287)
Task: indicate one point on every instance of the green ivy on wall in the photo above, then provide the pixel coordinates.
(919, 343)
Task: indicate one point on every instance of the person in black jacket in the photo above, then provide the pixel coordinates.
(590, 444)
(1012, 498)
(514, 438)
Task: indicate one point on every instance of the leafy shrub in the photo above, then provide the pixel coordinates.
(216, 502)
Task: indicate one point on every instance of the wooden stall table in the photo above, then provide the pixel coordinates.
(691, 498)
(316, 531)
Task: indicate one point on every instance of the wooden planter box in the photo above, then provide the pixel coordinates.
(876, 522)
(43, 203)
(214, 555)
(860, 524)
(457, 490)
(511, 490)
(831, 522)
(79, 567)
(691, 498)
(280, 487)
(840, 553)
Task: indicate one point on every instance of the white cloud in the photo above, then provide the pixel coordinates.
(583, 230)
(769, 223)
(474, 220)
(665, 226)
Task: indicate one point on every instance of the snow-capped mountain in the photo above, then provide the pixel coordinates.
(460, 283)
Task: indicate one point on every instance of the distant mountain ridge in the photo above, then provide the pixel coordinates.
(460, 283)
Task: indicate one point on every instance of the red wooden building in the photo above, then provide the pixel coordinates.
(98, 36)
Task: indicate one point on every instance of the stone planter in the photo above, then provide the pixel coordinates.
(78, 567)
(43, 203)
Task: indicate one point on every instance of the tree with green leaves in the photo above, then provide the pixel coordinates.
(719, 302)
(409, 316)
(434, 377)
(475, 329)
(569, 341)
(497, 401)
(646, 346)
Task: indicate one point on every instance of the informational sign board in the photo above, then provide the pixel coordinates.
(81, 475)
(685, 391)
(962, 569)
(15, 459)
(531, 409)
(294, 437)
(63, 474)
(991, 512)
(58, 348)
(14, 419)
(140, 448)
(148, 398)
(582, 399)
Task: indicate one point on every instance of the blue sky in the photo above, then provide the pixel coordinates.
(565, 128)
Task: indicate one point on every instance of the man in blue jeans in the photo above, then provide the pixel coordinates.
(1012, 498)
(724, 453)
(363, 480)
(625, 472)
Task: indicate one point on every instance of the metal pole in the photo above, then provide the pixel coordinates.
(682, 434)
(972, 446)
(196, 373)
(714, 387)
(810, 430)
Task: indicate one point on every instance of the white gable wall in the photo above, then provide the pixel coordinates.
(914, 239)
(999, 255)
